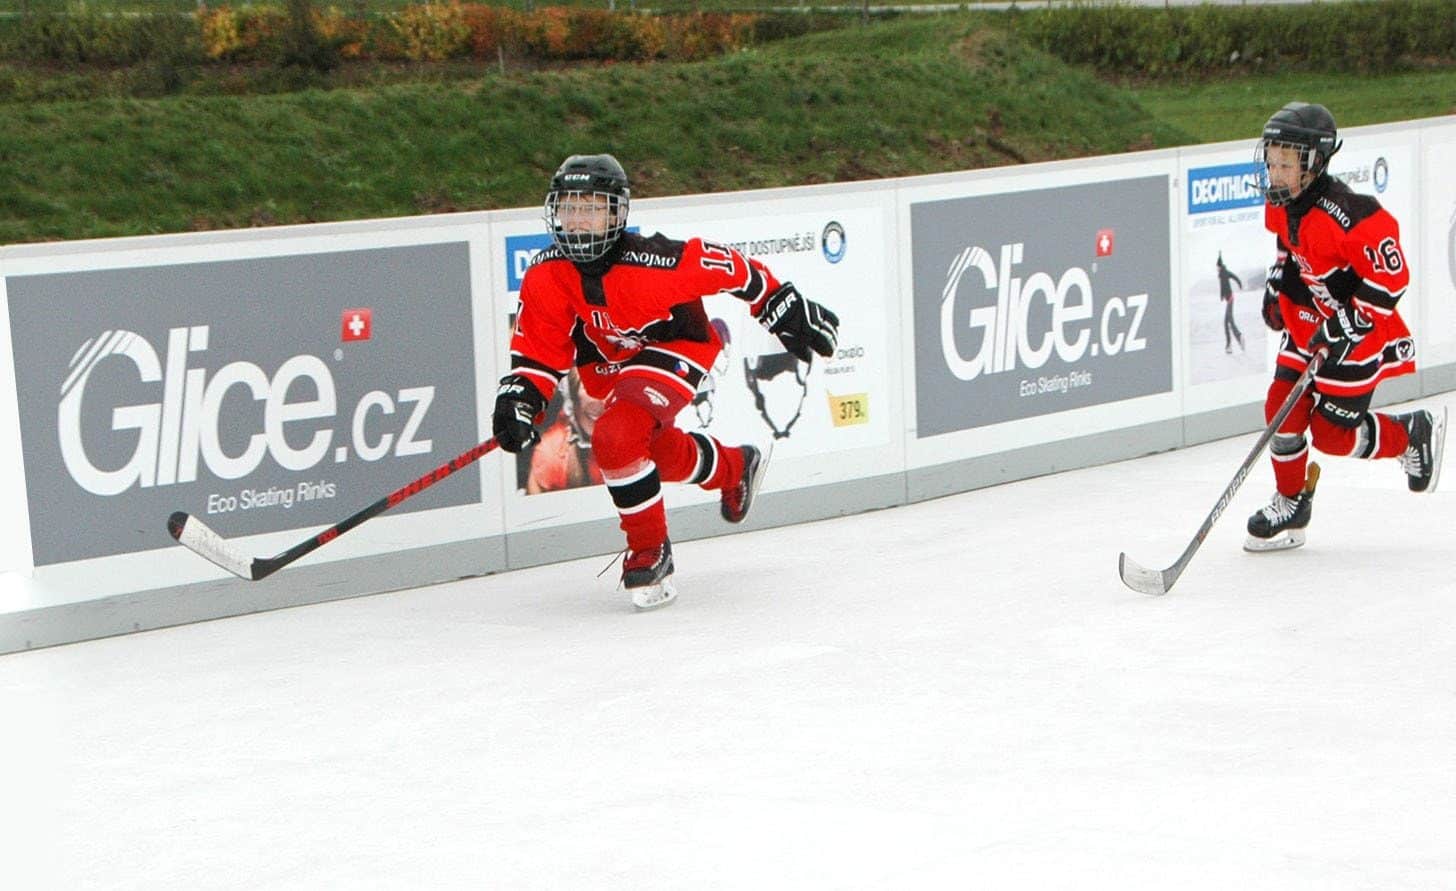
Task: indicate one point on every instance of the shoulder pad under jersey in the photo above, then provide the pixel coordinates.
(657, 251)
(551, 253)
(1346, 206)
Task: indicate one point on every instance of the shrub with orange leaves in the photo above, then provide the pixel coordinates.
(431, 32)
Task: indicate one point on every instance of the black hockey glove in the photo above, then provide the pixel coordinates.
(1272, 316)
(1340, 333)
(801, 325)
(517, 403)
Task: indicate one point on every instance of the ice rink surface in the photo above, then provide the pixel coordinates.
(955, 694)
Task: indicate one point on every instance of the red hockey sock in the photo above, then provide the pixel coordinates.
(1394, 438)
(646, 528)
(1289, 472)
(696, 458)
(676, 454)
(729, 467)
(638, 498)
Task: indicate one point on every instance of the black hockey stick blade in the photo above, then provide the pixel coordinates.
(197, 537)
(1161, 581)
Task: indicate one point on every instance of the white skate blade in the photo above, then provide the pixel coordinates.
(654, 596)
(1438, 446)
(1283, 541)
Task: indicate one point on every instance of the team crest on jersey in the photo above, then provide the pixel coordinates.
(622, 339)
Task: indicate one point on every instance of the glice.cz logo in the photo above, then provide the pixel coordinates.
(1005, 326)
(184, 427)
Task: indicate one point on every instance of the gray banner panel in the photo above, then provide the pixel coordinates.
(262, 394)
(1037, 302)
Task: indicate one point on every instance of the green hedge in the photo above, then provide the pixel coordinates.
(1368, 37)
(100, 39)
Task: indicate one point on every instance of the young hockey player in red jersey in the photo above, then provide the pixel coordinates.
(627, 311)
(1339, 274)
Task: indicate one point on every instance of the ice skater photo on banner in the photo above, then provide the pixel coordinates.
(1223, 289)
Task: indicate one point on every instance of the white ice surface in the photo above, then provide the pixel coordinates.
(956, 694)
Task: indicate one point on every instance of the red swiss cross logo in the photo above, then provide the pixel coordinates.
(1105, 241)
(357, 324)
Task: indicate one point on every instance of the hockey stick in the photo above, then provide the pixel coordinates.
(1160, 581)
(193, 534)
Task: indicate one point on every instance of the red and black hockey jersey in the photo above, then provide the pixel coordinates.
(646, 306)
(1341, 248)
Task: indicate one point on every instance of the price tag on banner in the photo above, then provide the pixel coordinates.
(846, 411)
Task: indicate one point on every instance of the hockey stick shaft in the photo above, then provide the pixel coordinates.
(1152, 581)
(195, 535)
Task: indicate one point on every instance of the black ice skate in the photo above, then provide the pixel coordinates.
(738, 498)
(1422, 458)
(1279, 525)
(648, 575)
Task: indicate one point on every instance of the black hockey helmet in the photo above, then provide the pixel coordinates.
(581, 178)
(1307, 128)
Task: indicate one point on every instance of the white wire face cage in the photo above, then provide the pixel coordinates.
(1310, 166)
(584, 246)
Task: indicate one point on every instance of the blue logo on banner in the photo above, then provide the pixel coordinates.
(520, 249)
(1224, 187)
(833, 241)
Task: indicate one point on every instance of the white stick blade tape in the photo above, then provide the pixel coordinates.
(201, 540)
(1140, 578)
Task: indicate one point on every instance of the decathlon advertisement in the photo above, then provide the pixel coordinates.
(1226, 259)
(1040, 301)
(258, 394)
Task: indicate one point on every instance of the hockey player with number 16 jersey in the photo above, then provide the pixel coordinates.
(1339, 275)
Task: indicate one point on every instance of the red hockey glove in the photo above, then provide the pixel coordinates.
(1340, 333)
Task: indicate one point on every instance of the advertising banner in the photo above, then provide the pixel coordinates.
(755, 392)
(259, 394)
(1226, 258)
(1041, 301)
(1436, 335)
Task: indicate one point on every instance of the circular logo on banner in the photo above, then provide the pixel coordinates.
(1382, 174)
(833, 242)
